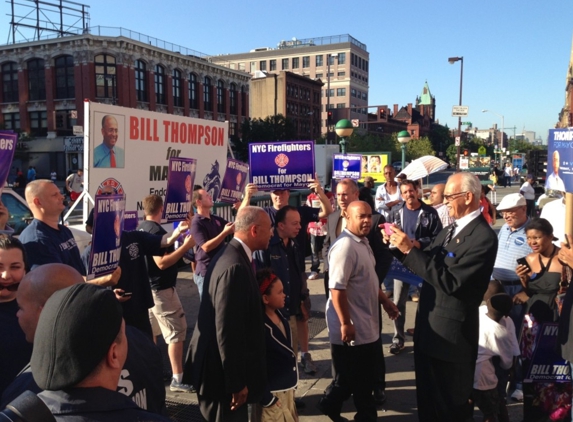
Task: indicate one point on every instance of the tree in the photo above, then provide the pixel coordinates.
(417, 148)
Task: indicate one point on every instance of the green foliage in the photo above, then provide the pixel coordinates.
(417, 148)
(520, 145)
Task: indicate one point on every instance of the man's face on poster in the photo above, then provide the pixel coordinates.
(117, 225)
(109, 132)
(556, 162)
(188, 183)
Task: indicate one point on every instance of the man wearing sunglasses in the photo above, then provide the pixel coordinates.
(456, 269)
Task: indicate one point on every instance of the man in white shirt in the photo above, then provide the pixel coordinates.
(554, 182)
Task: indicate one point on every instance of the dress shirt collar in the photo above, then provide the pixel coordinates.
(246, 248)
(465, 220)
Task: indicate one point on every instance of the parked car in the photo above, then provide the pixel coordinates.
(398, 166)
(20, 217)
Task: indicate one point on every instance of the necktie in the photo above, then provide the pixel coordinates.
(449, 235)
(112, 159)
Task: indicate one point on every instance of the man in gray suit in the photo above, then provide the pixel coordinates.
(227, 364)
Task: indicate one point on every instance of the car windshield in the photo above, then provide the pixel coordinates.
(19, 213)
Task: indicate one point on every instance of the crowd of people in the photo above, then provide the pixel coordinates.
(87, 348)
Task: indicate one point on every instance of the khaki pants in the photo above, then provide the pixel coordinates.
(284, 411)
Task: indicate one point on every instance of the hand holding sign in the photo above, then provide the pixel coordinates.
(315, 184)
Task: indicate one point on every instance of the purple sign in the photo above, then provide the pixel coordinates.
(347, 166)
(106, 240)
(180, 180)
(234, 181)
(8, 141)
(546, 365)
(130, 221)
(281, 165)
(560, 160)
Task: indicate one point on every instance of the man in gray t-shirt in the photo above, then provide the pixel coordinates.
(352, 316)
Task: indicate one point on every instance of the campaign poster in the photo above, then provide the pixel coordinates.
(180, 181)
(130, 221)
(8, 141)
(281, 165)
(347, 166)
(234, 181)
(560, 160)
(373, 164)
(106, 240)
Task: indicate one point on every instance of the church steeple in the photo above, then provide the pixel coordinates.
(426, 102)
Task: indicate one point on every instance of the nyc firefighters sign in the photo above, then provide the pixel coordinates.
(8, 141)
(281, 165)
(179, 188)
(347, 165)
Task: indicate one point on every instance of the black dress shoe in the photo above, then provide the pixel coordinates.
(323, 407)
(299, 403)
(379, 396)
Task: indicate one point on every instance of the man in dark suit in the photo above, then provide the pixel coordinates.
(456, 268)
(346, 193)
(228, 346)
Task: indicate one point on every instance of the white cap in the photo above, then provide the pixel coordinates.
(511, 201)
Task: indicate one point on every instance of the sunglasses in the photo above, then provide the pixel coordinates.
(10, 287)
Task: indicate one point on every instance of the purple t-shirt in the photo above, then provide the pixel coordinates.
(204, 229)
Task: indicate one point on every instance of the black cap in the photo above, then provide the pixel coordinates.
(76, 329)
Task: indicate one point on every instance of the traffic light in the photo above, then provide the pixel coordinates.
(382, 114)
(329, 117)
(466, 152)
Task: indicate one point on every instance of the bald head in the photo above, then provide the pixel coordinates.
(36, 288)
(359, 218)
(437, 194)
(34, 190)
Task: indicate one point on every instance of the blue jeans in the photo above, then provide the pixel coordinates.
(199, 279)
(316, 243)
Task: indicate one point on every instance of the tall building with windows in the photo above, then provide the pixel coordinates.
(45, 82)
(340, 61)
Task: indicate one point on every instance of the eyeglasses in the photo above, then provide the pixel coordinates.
(10, 287)
(452, 196)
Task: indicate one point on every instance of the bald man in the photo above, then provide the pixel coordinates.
(437, 201)
(108, 154)
(142, 375)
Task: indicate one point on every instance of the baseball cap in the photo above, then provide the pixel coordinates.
(77, 326)
(369, 179)
(511, 201)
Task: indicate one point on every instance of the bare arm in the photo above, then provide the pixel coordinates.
(216, 241)
(250, 190)
(109, 280)
(169, 239)
(340, 302)
(170, 259)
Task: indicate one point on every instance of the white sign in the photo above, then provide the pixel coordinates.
(460, 110)
(73, 114)
(78, 130)
(355, 123)
(457, 142)
(464, 163)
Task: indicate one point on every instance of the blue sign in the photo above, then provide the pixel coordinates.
(234, 181)
(347, 166)
(8, 141)
(560, 160)
(130, 221)
(106, 240)
(281, 165)
(180, 181)
(546, 365)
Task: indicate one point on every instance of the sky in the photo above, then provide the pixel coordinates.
(516, 54)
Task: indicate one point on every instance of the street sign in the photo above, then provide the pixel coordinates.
(73, 114)
(78, 130)
(460, 110)
(464, 164)
(457, 143)
(355, 122)
(481, 150)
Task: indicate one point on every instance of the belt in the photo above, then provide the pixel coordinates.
(509, 283)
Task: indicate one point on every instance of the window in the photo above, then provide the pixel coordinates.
(207, 103)
(65, 82)
(177, 82)
(63, 122)
(340, 92)
(319, 61)
(272, 65)
(263, 65)
(220, 96)
(330, 92)
(295, 62)
(106, 76)
(340, 105)
(353, 92)
(140, 80)
(232, 128)
(36, 80)
(331, 58)
(10, 82)
(193, 91)
(160, 97)
(243, 100)
(12, 121)
(341, 58)
(233, 98)
(284, 63)
(39, 123)
(306, 61)
(364, 96)
(341, 74)
(242, 66)
(319, 75)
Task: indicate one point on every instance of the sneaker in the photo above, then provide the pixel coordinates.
(415, 297)
(180, 387)
(313, 275)
(379, 396)
(396, 348)
(307, 364)
(517, 395)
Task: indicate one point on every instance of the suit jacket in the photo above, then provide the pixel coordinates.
(456, 278)
(379, 248)
(228, 343)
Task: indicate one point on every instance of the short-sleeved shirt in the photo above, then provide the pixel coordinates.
(351, 266)
(75, 182)
(158, 278)
(46, 245)
(511, 246)
(204, 229)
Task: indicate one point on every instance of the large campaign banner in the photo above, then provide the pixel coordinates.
(8, 141)
(234, 181)
(560, 160)
(373, 164)
(106, 238)
(180, 180)
(134, 146)
(346, 166)
(281, 165)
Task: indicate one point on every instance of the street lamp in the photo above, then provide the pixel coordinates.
(502, 128)
(403, 138)
(452, 60)
(344, 129)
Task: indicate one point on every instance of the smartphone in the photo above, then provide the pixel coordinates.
(523, 261)
(387, 229)
(126, 294)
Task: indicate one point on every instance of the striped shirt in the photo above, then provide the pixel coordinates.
(512, 245)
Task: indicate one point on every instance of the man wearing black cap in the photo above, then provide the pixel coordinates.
(79, 368)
